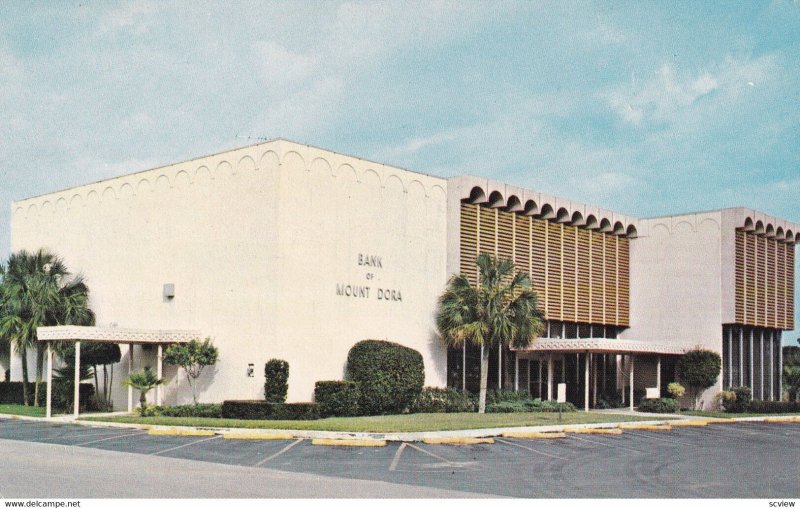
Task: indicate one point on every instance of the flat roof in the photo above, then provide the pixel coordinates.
(616, 346)
(115, 335)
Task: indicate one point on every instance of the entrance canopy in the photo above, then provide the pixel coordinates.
(612, 346)
(113, 335)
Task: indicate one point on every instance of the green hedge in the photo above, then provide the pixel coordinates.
(390, 376)
(276, 385)
(262, 410)
(191, 410)
(529, 406)
(443, 400)
(766, 406)
(665, 405)
(744, 395)
(495, 396)
(11, 393)
(337, 398)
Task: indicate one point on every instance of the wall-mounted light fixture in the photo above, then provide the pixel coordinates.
(169, 291)
(250, 370)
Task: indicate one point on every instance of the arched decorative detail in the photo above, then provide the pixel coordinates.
(759, 228)
(370, 178)
(346, 172)
(143, 186)
(47, 207)
(394, 183)
(476, 196)
(770, 231)
(576, 219)
(780, 234)
(32, 210)
(748, 224)
(75, 201)
(246, 164)
(547, 212)
(222, 169)
(530, 207)
(591, 222)
(789, 236)
(562, 216)
(93, 198)
(631, 231)
(496, 199)
(438, 193)
(126, 191)
(605, 225)
(619, 228)
(61, 205)
(162, 182)
(321, 167)
(19, 212)
(109, 194)
(202, 174)
(269, 161)
(513, 204)
(417, 189)
(182, 180)
(294, 160)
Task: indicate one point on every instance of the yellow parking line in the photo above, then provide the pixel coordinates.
(180, 432)
(580, 430)
(348, 442)
(689, 423)
(641, 426)
(256, 435)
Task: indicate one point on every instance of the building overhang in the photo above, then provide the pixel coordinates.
(613, 346)
(114, 335)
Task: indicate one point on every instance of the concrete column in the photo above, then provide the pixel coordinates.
(77, 377)
(550, 377)
(631, 381)
(130, 371)
(499, 367)
(516, 372)
(594, 381)
(159, 372)
(464, 367)
(586, 359)
(49, 411)
(621, 376)
(658, 374)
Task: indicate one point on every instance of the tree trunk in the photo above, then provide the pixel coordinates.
(110, 383)
(39, 369)
(194, 390)
(484, 378)
(24, 355)
(142, 399)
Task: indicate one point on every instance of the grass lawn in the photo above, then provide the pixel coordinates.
(721, 414)
(392, 423)
(19, 409)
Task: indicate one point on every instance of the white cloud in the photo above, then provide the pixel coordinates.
(279, 66)
(134, 16)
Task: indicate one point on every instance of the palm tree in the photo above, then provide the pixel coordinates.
(499, 311)
(144, 381)
(37, 290)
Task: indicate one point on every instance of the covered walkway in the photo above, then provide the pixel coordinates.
(113, 335)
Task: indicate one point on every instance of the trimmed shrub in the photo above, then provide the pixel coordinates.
(191, 411)
(699, 369)
(11, 393)
(676, 390)
(276, 385)
(443, 400)
(495, 396)
(336, 398)
(530, 406)
(390, 376)
(743, 395)
(767, 406)
(261, 410)
(665, 405)
(609, 401)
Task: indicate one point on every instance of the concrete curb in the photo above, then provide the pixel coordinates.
(458, 440)
(533, 432)
(348, 442)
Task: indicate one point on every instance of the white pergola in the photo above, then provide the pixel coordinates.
(112, 335)
(588, 347)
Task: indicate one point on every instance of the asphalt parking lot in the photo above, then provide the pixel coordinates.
(733, 460)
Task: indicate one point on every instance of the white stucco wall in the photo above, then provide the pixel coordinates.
(676, 283)
(255, 241)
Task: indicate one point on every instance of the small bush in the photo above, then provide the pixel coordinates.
(276, 385)
(495, 396)
(192, 411)
(609, 401)
(742, 396)
(11, 393)
(443, 400)
(766, 406)
(261, 410)
(337, 398)
(676, 390)
(665, 405)
(390, 376)
(530, 406)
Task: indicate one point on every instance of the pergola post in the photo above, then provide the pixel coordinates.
(594, 381)
(631, 382)
(76, 411)
(49, 411)
(550, 377)
(130, 371)
(621, 376)
(159, 369)
(516, 372)
(587, 357)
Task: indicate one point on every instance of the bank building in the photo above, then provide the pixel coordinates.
(283, 250)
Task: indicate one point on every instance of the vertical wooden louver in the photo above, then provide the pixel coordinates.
(579, 275)
(764, 281)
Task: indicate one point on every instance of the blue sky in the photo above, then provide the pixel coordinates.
(645, 108)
